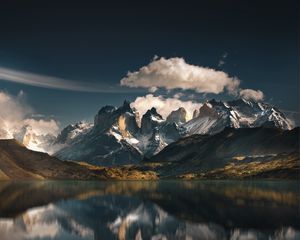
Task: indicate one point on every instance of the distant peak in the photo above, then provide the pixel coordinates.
(153, 112)
(177, 116)
(195, 113)
(207, 111)
(125, 108)
(181, 109)
(126, 103)
(107, 109)
(241, 101)
(212, 101)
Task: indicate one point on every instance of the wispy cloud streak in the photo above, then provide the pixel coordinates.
(44, 81)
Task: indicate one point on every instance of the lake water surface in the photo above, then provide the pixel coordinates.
(236, 210)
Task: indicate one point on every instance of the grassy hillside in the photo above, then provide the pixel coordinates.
(19, 163)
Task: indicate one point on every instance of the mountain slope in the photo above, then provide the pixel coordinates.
(19, 163)
(206, 152)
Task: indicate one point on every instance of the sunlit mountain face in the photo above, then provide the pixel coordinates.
(150, 210)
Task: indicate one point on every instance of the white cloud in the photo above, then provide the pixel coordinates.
(12, 112)
(42, 127)
(251, 94)
(164, 105)
(175, 73)
(15, 114)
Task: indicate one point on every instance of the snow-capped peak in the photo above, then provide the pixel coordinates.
(72, 131)
(214, 116)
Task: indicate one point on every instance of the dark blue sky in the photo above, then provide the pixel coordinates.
(101, 42)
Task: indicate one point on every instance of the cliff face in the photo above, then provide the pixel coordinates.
(178, 116)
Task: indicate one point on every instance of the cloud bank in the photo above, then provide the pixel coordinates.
(174, 73)
(16, 114)
(43, 81)
(250, 94)
(164, 105)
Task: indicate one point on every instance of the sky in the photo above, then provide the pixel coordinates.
(65, 61)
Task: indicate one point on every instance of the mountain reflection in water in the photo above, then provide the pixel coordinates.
(150, 210)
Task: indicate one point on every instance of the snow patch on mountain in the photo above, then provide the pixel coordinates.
(214, 116)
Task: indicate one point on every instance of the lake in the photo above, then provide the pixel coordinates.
(236, 210)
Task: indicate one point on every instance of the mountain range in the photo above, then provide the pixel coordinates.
(227, 137)
(119, 136)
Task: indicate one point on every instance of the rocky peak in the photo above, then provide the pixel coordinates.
(217, 105)
(152, 115)
(195, 113)
(153, 112)
(241, 102)
(126, 104)
(150, 120)
(213, 102)
(104, 115)
(125, 108)
(207, 111)
(123, 117)
(177, 116)
(71, 131)
(107, 109)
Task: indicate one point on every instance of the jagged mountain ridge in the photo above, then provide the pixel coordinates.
(150, 134)
(119, 137)
(214, 116)
(72, 131)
